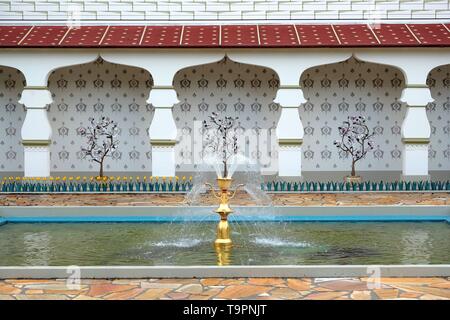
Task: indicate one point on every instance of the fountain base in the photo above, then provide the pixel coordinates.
(223, 233)
(224, 195)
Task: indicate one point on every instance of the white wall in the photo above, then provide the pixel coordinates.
(438, 114)
(351, 88)
(229, 89)
(134, 124)
(208, 10)
(96, 89)
(12, 115)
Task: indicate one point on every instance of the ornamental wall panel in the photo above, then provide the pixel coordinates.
(12, 115)
(94, 90)
(333, 92)
(336, 91)
(438, 113)
(229, 89)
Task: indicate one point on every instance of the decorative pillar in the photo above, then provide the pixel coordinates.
(416, 132)
(290, 131)
(163, 131)
(36, 131)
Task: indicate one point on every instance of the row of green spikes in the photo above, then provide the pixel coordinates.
(96, 186)
(362, 186)
(277, 186)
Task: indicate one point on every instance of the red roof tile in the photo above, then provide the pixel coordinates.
(394, 35)
(89, 36)
(355, 35)
(11, 35)
(431, 34)
(44, 36)
(201, 36)
(317, 35)
(162, 36)
(239, 36)
(123, 36)
(278, 36)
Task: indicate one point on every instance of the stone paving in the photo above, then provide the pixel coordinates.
(237, 288)
(242, 199)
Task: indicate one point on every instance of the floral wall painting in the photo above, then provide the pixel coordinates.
(355, 141)
(101, 141)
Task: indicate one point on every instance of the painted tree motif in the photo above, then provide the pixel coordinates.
(101, 140)
(222, 140)
(355, 139)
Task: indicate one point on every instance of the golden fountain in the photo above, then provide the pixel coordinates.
(224, 195)
(223, 142)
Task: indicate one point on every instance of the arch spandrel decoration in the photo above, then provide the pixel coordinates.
(12, 115)
(438, 113)
(233, 89)
(92, 90)
(352, 87)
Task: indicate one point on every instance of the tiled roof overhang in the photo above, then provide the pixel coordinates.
(226, 36)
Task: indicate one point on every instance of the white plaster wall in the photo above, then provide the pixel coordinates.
(93, 90)
(135, 147)
(229, 89)
(353, 87)
(201, 10)
(12, 115)
(438, 113)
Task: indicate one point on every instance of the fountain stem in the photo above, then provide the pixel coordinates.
(223, 228)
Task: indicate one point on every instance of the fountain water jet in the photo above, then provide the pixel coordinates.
(223, 142)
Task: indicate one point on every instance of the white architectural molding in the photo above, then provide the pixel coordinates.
(163, 131)
(289, 64)
(415, 161)
(416, 96)
(37, 64)
(162, 64)
(290, 132)
(415, 63)
(36, 132)
(416, 131)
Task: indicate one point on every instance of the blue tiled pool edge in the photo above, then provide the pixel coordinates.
(157, 214)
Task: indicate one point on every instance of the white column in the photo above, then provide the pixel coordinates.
(163, 131)
(36, 132)
(416, 132)
(290, 132)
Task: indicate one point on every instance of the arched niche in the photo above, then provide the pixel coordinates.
(438, 113)
(96, 89)
(352, 87)
(233, 89)
(12, 115)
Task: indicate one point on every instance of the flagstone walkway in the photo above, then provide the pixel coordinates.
(238, 288)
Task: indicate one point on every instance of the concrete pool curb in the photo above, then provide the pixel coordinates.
(274, 271)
